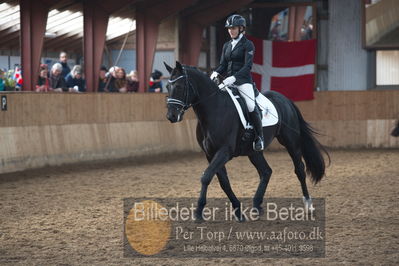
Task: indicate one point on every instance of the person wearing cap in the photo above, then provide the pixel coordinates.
(155, 81)
(235, 65)
(74, 80)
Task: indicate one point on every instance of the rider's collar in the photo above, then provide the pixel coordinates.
(237, 39)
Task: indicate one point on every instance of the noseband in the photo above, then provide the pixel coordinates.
(184, 105)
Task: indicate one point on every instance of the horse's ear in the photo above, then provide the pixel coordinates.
(168, 67)
(179, 67)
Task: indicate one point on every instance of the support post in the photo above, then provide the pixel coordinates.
(95, 29)
(33, 15)
(149, 14)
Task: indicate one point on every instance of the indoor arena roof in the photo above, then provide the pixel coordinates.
(64, 25)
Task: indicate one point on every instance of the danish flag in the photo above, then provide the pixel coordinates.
(286, 67)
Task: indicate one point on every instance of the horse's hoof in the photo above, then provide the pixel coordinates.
(308, 204)
(260, 210)
(199, 218)
(198, 221)
(241, 219)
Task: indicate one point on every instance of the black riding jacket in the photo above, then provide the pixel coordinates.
(237, 62)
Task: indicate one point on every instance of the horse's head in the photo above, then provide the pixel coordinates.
(180, 93)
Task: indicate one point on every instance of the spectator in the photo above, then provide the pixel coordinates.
(155, 81)
(120, 81)
(111, 79)
(132, 82)
(2, 85)
(64, 63)
(103, 79)
(307, 30)
(57, 82)
(74, 80)
(43, 83)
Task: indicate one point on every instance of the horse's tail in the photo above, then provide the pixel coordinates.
(311, 149)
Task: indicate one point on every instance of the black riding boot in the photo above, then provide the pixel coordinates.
(257, 124)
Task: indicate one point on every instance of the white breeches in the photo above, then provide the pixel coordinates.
(247, 92)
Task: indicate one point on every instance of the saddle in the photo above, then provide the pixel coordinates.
(249, 133)
(269, 113)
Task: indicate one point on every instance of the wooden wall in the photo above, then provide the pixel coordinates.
(49, 129)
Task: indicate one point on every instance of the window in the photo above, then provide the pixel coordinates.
(388, 67)
(281, 22)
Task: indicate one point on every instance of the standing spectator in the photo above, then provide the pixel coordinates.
(111, 79)
(132, 82)
(57, 82)
(307, 30)
(102, 82)
(74, 80)
(155, 81)
(2, 85)
(43, 83)
(120, 81)
(64, 63)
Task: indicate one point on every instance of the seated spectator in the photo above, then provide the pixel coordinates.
(102, 83)
(2, 83)
(74, 80)
(64, 63)
(155, 81)
(43, 83)
(57, 82)
(120, 81)
(132, 82)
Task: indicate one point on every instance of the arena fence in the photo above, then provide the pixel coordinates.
(40, 129)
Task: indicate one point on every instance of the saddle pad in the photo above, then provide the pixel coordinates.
(269, 112)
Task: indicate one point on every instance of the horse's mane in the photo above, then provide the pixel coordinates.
(204, 77)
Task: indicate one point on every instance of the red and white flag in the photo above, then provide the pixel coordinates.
(286, 67)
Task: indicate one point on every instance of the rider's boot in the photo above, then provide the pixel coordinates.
(255, 116)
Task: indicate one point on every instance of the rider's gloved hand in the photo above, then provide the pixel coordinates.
(214, 75)
(229, 80)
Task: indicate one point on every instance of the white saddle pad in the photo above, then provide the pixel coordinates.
(269, 112)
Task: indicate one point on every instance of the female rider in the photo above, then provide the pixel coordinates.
(236, 63)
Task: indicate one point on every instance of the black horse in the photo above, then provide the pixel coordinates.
(220, 134)
(395, 131)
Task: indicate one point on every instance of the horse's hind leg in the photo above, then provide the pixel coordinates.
(295, 152)
(264, 170)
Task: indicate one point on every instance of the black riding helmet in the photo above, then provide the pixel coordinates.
(235, 20)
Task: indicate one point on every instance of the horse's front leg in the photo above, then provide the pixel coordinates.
(220, 158)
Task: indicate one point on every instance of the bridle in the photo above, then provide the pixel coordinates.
(184, 105)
